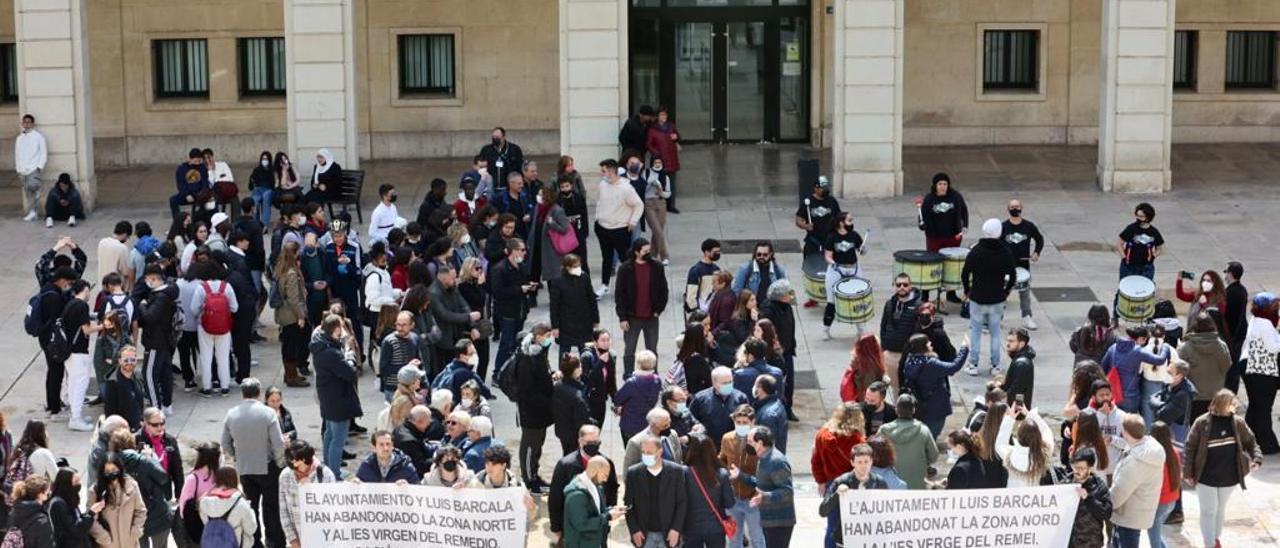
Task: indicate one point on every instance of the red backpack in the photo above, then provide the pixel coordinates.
(216, 318)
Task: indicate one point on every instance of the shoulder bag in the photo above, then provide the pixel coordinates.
(730, 527)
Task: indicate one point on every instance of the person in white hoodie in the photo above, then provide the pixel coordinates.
(384, 216)
(377, 283)
(1135, 492)
(30, 154)
(1028, 455)
(226, 502)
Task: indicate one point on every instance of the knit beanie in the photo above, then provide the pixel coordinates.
(991, 228)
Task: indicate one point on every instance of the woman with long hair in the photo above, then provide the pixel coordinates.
(1261, 376)
(866, 365)
(473, 288)
(1091, 340)
(546, 262)
(928, 378)
(987, 435)
(1087, 432)
(709, 494)
(34, 446)
(70, 523)
(28, 517)
(1086, 373)
(291, 316)
(832, 443)
(198, 483)
(745, 315)
(968, 471)
(1171, 487)
(111, 339)
(288, 190)
(197, 235)
(179, 230)
(464, 246)
(262, 185)
(1210, 295)
(119, 522)
(1221, 451)
(693, 357)
(1026, 457)
(274, 398)
(767, 332)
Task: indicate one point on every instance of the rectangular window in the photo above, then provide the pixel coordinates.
(261, 66)
(1010, 60)
(1251, 59)
(181, 68)
(426, 64)
(8, 73)
(1184, 59)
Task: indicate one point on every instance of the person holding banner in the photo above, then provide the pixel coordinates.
(1095, 501)
(586, 514)
(448, 469)
(386, 464)
(859, 478)
(303, 469)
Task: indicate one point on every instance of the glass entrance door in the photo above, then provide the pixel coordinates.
(745, 89)
(694, 80)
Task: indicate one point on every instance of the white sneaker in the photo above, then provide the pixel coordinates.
(972, 370)
(826, 330)
(666, 262)
(31, 216)
(995, 370)
(71, 221)
(80, 425)
(604, 290)
(48, 222)
(168, 410)
(1029, 323)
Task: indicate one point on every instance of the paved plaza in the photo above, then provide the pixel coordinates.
(1220, 209)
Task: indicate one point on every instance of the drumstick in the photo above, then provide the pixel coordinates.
(808, 212)
(866, 237)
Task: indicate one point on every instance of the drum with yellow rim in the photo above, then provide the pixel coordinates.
(854, 303)
(815, 277)
(1136, 299)
(952, 266)
(924, 267)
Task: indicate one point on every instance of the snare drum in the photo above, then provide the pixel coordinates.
(1136, 299)
(1023, 281)
(853, 301)
(815, 277)
(952, 266)
(924, 267)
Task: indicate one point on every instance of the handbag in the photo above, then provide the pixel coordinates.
(727, 523)
(563, 242)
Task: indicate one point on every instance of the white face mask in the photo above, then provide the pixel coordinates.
(952, 457)
(465, 239)
(473, 360)
(265, 163)
(539, 198)
(515, 261)
(466, 403)
(575, 271)
(1207, 286)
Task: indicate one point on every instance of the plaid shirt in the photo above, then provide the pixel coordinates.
(290, 511)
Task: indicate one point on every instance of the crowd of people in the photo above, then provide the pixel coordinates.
(422, 302)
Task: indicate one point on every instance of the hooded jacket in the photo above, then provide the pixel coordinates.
(156, 317)
(1135, 487)
(533, 374)
(1209, 359)
(399, 468)
(1092, 513)
(585, 524)
(1021, 378)
(335, 378)
(989, 272)
(154, 487)
(1126, 356)
(1017, 458)
(30, 518)
(930, 379)
(1173, 403)
(898, 322)
(241, 517)
(916, 449)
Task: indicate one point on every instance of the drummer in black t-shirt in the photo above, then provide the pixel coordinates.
(1025, 242)
(1139, 244)
(815, 216)
(842, 246)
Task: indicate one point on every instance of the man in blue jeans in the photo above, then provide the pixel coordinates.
(988, 276)
(510, 287)
(734, 453)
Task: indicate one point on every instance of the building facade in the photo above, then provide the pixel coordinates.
(128, 82)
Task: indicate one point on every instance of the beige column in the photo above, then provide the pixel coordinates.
(321, 78)
(593, 66)
(866, 148)
(1134, 131)
(53, 86)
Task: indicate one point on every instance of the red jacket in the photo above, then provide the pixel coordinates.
(658, 142)
(463, 213)
(831, 455)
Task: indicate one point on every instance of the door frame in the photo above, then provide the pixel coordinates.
(719, 17)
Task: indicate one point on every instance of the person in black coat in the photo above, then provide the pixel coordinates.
(504, 158)
(631, 138)
(968, 472)
(123, 395)
(569, 411)
(656, 497)
(326, 178)
(412, 437)
(1020, 380)
(599, 373)
(240, 276)
(898, 322)
(70, 524)
(336, 367)
(779, 310)
(28, 515)
(533, 376)
(510, 288)
(574, 310)
(152, 432)
(709, 492)
(944, 218)
(1236, 320)
(588, 445)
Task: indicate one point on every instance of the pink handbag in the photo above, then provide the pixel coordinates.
(563, 242)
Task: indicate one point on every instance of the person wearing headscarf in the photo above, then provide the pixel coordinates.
(326, 178)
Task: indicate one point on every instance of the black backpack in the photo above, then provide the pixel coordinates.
(505, 377)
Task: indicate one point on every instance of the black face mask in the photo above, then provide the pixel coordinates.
(591, 449)
(111, 476)
(496, 142)
(715, 256)
(633, 169)
(1015, 212)
(449, 465)
(665, 432)
(394, 197)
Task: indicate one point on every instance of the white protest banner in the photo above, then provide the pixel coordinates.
(1038, 517)
(359, 515)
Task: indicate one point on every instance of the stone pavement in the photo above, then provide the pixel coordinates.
(1219, 210)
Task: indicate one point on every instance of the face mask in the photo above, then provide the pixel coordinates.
(566, 193)
(449, 465)
(848, 224)
(649, 460)
(741, 430)
(591, 449)
(575, 271)
(634, 169)
(725, 389)
(394, 197)
(497, 142)
(473, 360)
(715, 257)
(491, 224)
(1206, 286)
(546, 343)
(657, 168)
(517, 260)
(664, 432)
(1015, 212)
(465, 239)
(265, 163)
(681, 408)
(952, 457)
(466, 403)
(539, 199)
